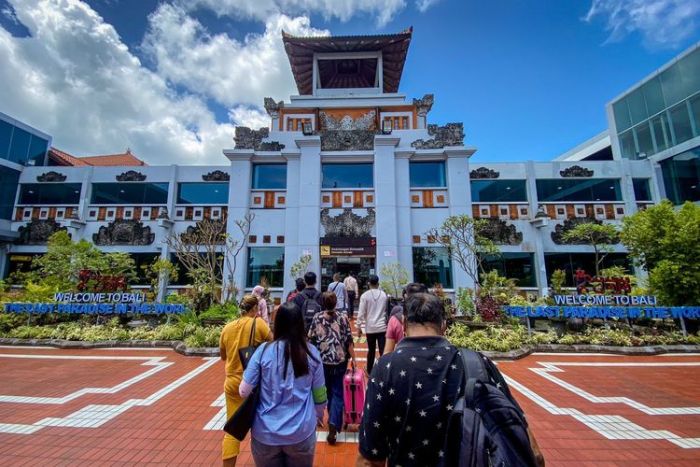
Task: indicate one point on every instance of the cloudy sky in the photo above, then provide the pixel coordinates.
(171, 78)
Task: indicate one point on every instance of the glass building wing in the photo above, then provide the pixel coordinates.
(9, 179)
(498, 191)
(681, 175)
(49, 193)
(21, 146)
(203, 193)
(129, 193)
(588, 190)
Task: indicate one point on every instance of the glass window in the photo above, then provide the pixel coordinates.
(627, 145)
(143, 261)
(638, 109)
(672, 85)
(662, 132)
(644, 143)
(682, 176)
(432, 266)
(49, 193)
(270, 177)
(497, 191)
(427, 174)
(570, 262)
(695, 109)
(202, 193)
(129, 193)
(622, 115)
(642, 192)
(347, 175)
(20, 145)
(518, 266)
(690, 73)
(265, 262)
(8, 189)
(653, 96)
(681, 123)
(5, 139)
(594, 189)
(37, 149)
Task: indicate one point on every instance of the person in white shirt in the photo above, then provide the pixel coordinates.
(351, 287)
(338, 288)
(371, 319)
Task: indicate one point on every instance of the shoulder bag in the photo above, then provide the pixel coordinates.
(247, 352)
(241, 421)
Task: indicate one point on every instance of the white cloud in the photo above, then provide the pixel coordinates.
(662, 23)
(424, 5)
(383, 10)
(230, 71)
(250, 117)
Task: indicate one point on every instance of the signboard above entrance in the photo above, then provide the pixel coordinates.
(360, 247)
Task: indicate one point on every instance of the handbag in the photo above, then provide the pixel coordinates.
(246, 353)
(241, 421)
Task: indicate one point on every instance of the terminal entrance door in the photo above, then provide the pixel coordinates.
(362, 267)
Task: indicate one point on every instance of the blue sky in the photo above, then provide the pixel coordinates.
(529, 79)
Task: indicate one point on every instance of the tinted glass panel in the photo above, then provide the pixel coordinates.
(553, 190)
(644, 143)
(518, 266)
(8, 190)
(662, 132)
(347, 175)
(265, 262)
(653, 96)
(622, 115)
(627, 145)
(681, 123)
(270, 177)
(427, 174)
(5, 138)
(638, 110)
(695, 109)
(682, 177)
(671, 83)
(432, 266)
(202, 193)
(641, 189)
(49, 193)
(570, 262)
(37, 150)
(129, 193)
(20, 145)
(498, 190)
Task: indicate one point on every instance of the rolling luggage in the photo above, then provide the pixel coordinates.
(354, 387)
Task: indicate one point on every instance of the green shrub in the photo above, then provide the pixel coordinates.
(204, 337)
(221, 311)
(9, 321)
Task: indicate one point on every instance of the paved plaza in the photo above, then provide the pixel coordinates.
(154, 406)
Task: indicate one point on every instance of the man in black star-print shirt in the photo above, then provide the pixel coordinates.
(411, 392)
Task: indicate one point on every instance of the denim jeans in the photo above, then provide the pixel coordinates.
(334, 375)
(294, 455)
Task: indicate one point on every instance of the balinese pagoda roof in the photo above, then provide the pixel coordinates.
(394, 48)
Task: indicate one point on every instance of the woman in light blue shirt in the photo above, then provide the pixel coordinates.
(292, 394)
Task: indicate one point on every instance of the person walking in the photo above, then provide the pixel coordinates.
(292, 394)
(331, 334)
(341, 293)
(299, 286)
(351, 286)
(394, 328)
(371, 319)
(259, 291)
(237, 335)
(309, 299)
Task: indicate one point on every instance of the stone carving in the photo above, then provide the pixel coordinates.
(123, 232)
(38, 231)
(561, 229)
(347, 140)
(246, 138)
(131, 176)
(483, 172)
(347, 224)
(163, 214)
(576, 171)
(272, 107)
(367, 121)
(51, 177)
(451, 134)
(424, 104)
(500, 232)
(216, 176)
(206, 231)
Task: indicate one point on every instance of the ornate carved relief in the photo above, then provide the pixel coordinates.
(51, 177)
(576, 171)
(246, 138)
(347, 140)
(483, 172)
(216, 176)
(207, 231)
(272, 107)
(500, 232)
(131, 176)
(424, 104)
(38, 231)
(347, 224)
(123, 232)
(451, 134)
(561, 229)
(367, 121)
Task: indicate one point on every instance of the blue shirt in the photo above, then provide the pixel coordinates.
(286, 413)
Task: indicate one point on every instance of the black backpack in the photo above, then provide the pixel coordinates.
(487, 426)
(310, 307)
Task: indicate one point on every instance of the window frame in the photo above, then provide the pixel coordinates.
(412, 164)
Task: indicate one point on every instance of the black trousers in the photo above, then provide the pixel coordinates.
(372, 341)
(351, 304)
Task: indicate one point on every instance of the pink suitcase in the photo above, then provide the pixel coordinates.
(354, 387)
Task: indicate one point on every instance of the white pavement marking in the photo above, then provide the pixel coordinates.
(93, 416)
(155, 362)
(24, 347)
(582, 354)
(609, 426)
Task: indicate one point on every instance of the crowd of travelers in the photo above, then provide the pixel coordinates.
(424, 402)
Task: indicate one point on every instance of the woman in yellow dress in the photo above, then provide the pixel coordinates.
(237, 335)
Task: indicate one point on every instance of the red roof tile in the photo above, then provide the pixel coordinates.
(125, 159)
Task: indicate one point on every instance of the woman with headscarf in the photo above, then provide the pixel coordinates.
(259, 292)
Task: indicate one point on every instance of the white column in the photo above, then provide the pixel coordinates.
(540, 269)
(291, 219)
(238, 208)
(165, 231)
(309, 225)
(403, 210)
(386, 223)
(460, 200)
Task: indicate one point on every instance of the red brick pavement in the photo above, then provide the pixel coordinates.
(160, 418)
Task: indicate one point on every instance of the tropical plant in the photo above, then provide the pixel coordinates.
(300, 268)
(601, 237)
(161, 272)
(394, 278)
(557, 282)
(466, 304)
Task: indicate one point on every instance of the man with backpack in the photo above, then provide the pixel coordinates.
(309, 299)
(417, 413)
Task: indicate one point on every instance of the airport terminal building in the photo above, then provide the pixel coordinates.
(351, 172)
